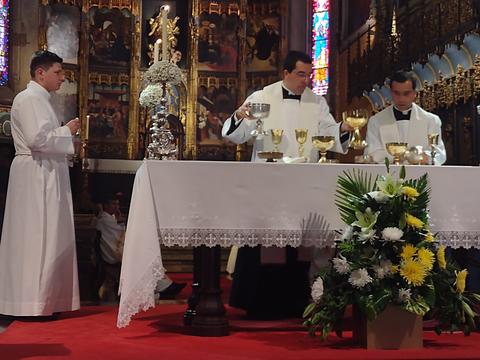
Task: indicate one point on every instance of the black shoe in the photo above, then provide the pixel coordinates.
(172, 291)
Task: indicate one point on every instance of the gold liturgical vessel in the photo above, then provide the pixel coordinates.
(301, 136)
(271, 156)
(323, 144)
(397, 150)
(357, 119)
(433, 142)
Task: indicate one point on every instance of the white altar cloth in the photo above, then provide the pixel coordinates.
(193, 203)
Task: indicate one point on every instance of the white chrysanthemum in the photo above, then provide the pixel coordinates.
(317, 290)
(392, 234)
(383, 270)
(359, 278)
(347, 233)
(341, 265)
(404, 295)
(379, 196)
(163, 72)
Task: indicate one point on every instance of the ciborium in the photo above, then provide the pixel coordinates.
(433, 142)
(414, 155)
(323, 144)
(301, 137)
(397, 150)
(357, 119)
(258, 111)
(276, 138)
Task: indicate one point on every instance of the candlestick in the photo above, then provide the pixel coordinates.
(165, 9)
(87, 127)
(156, 50)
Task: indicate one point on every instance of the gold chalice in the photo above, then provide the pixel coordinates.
(397, 150)
(323, 144)
(356, 118)
(433, 142)
(301, 136)
(276, 138)
(414, 155)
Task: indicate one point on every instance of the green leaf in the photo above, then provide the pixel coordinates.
(387, 164)
(402, 172)
(309, 310)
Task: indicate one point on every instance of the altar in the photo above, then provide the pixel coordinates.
(211, 204)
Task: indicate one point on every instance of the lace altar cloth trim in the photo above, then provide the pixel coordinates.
(282, 238)
(459, 239)
(246, 237)
(142, 296)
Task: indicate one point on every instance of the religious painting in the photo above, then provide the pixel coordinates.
(263, 36)
(62, 23)
(110, 37)
(4, 41)
(150, 12)
(216, 102)
(218, 42)
(108, 121)
(65, 101)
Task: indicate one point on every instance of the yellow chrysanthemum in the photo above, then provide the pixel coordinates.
(461, 280)
(408, 252)
(429, 237)
(426, 258)
(410, 192)
(413, 222)
(413, 272)
(441, 257)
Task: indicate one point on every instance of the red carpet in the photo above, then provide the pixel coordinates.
(158, 334)
(91, 334)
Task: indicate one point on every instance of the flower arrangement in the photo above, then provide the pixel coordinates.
(151, 95)
(388, 255)
(163, 72)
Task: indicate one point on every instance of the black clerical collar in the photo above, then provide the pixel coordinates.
(288, 95)
(402, 115)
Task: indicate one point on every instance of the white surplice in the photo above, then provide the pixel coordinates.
(311, 113)
(384, 128)
(38, 264)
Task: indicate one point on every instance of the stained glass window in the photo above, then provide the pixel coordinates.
(321, 45)
(4, 27)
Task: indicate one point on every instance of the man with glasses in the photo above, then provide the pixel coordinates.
(38, 265)
(273, 283)
(292, 106)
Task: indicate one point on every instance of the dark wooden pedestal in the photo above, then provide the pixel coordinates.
(206, 315)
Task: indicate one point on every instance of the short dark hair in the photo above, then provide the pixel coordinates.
(402, 77)
(292, 57)
(43, 59)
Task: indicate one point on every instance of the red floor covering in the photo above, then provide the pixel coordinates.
(91, 333)
(158, 334)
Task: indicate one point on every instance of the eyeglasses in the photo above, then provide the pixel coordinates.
(302, 74)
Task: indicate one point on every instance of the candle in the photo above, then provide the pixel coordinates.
(87, 127)
(165, 9)
(156, 50)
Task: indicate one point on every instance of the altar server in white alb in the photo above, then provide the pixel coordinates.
(292, 106)
(404, 121)
(38, 264)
